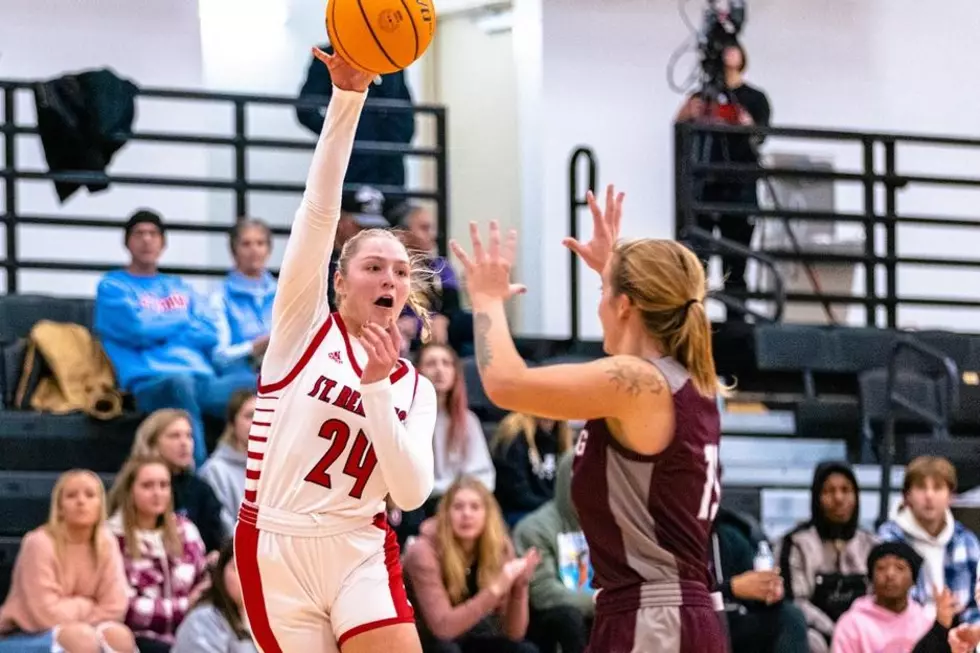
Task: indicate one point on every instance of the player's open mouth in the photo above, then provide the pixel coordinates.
(386, 301)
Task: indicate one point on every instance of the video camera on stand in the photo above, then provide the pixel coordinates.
(723, 21)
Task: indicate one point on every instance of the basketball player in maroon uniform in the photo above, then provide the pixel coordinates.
(645, 482)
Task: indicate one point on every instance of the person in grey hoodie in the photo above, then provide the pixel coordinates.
(224, 471)
(216, 623)
(561, 610)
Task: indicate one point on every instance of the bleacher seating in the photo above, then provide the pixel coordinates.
(25, 498)
(35, 448)
(820, 379)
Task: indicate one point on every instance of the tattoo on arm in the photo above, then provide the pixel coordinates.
(481, 329)
(633, 380)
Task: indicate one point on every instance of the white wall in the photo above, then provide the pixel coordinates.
(864, 64)
(256, 46)
(153, 42)
(482, 115)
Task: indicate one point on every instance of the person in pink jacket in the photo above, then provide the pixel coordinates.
(886, 621)
(69, 590)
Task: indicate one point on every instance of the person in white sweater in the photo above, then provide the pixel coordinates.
(224, 471)
(459, 445)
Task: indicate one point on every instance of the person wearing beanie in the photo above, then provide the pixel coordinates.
(360, 209)
(159, 334)
(950, 551)
(823, 560)
(887, 620)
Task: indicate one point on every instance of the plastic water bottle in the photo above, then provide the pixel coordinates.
(764, 560)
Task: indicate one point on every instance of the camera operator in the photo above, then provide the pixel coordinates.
(738, 103)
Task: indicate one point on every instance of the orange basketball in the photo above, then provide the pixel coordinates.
(380, 36)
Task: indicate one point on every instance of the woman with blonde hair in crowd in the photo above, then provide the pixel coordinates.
(168, 434)
(163, 554)
(68, 591)
(470, 590)
(217, 623)
(224, 471)
(525, 451)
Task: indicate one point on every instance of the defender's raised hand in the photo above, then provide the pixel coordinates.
(487, 271)
(605, 230)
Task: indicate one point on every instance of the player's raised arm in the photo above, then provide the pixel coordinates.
(404, 450)
(301, 293)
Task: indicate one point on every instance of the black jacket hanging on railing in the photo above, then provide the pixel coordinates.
(83, 119)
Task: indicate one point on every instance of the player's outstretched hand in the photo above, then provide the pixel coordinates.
(344, 76)
(382, 346)
(605, 230)
(487, 271)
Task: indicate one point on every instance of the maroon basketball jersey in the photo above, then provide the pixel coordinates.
(647, 519)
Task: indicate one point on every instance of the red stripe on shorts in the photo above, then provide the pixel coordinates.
(404, 614)
(247, 561)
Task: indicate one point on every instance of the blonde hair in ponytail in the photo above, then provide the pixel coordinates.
(418, 297)
(665, 282)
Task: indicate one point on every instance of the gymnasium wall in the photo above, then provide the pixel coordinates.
(257, 46)
(862, 64)
(570, 72)
(153, 41)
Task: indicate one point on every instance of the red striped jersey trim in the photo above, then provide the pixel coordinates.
(300, 364)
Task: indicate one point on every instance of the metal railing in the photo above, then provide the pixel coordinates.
(239, 183)
(872, 176)
(946, 401)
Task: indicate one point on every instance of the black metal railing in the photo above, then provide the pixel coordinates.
(945, 381)
(239, 183)
(880, 257)
(576, 202)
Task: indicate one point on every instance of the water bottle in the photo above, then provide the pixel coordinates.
(764, 560)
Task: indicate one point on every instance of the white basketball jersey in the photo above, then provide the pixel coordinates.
(309, 449)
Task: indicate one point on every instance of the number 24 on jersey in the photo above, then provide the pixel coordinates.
(360, 463)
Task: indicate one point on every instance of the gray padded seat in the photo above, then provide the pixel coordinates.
(25, 498)
(19, 313)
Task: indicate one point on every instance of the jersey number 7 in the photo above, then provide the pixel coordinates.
(361, 460)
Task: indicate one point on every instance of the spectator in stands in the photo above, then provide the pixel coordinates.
(470, 590)
(396, 127)
(360, 209)
(159, 334)
(166, 434)
(450, 323)
(824, 559)
(759, 620)
(950, 551)
(744, 105)
(562, 604)
(460, 444)
(887, 620)
(163, 554)
(68, 591)
(243, 305)
(525, 452)
(217, 624)
(225, 469)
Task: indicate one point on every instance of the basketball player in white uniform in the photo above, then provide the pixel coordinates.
(340, 423)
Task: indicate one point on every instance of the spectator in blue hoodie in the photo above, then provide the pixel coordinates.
(159, 334)
(243, 304)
